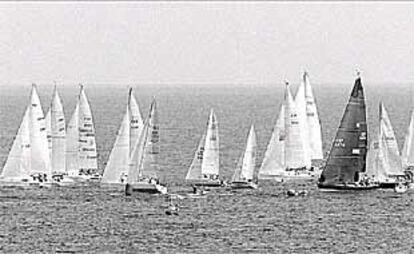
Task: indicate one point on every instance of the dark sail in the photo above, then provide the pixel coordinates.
(349, 149)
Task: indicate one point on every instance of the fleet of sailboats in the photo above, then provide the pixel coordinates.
(45, 151)
(204, 169)
(296, 138)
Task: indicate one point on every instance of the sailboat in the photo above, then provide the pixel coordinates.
(244, 174)
(143, 164)
(56, 135)
(384, 164)
(81, 154)
(28, 162)
(288, 154)
(204, 169)
(346, 162)
(116, 171)
(407, 153)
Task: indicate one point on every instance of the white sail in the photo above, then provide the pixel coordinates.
(300, 103)
(246, 170)
(407, 153)
(87, 144)
(72, 143)
(210, 163)
(295, 153)
(391, 152)
(18, 163)
(194, 172)
(274, 158)
(135, 118)
(313, 122)
(57, 134)
(383, 158)
(118, 161)
(38, 138)
(144, 159)
(49, 132)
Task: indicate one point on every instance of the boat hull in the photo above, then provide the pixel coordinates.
(349, 187)
(243, 185)
(145, 187)
(206, 183)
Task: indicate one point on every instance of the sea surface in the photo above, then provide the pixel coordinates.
(94, 220)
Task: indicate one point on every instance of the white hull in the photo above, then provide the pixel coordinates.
(145, 187)
(291, 175)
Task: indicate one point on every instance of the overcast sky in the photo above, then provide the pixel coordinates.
(227, 42)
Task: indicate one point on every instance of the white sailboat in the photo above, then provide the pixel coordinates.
(56, 133)
(407, 153)
(204, 169)
(288, 153)
(384, 164)
(143, 165)
(116, 171)
(28, 161)
(244, 174)
(81, 154)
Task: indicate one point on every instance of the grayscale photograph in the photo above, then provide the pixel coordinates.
(206, 127)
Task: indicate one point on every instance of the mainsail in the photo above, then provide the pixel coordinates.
(384, 161)
(347, 157)
(274, 158)
(29, 153)
(131, 126)
(245, 169)
(144, 158)
(81, 155)
(55, 125)
(194, 172)
(407, 153)
(210, 163)
(313, 122)
(300, 104)
(296, 155)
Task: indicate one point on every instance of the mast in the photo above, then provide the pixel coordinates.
(347, 157)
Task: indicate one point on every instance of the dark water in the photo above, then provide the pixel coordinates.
(265, 220)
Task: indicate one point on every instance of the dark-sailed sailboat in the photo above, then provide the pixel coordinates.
(346, 162)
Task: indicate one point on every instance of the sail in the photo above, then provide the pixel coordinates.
(135, 162)
(194, 172)
(389, 145)
(150, 165)
(248, 164)
(407, 153)
(72, 143)
(295, 151)
(313, 122)
(119, 158)
(300, 104)
(57, 134)
(87, 144)
(40, 160)
(18, 163)
(347, 157)
(210, 163)
(274, 158)
(49, 132)
(135, 118)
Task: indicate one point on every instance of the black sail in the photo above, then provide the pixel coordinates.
(347, 157)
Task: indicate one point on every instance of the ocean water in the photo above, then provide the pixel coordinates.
(93, 220)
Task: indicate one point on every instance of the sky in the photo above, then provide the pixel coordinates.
(205, 42)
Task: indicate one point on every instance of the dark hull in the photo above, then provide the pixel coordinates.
(387, 185)
(243, 185)
(346, 187)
